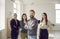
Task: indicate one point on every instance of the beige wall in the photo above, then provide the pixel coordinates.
(8, 12)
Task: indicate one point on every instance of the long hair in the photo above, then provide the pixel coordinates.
(22, 17)
(46, 20)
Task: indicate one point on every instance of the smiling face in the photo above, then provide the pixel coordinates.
(24, 17)
(43, 16)
(32, 14)
(15, 16)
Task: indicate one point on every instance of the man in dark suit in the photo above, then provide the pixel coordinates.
(14, 27)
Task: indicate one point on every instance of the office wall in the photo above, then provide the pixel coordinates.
(2, 20)
(8, 14)
(41, 6)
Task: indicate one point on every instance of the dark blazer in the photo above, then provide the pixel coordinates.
(22, 24)
(14, 24)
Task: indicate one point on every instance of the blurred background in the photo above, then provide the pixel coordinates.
(8, 7)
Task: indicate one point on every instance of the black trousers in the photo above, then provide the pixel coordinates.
(14, 34)
(43, 34)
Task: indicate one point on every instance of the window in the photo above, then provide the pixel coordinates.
(57, 7)
(16, 9)
(2, 14)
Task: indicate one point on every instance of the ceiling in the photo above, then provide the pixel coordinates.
(39, 1)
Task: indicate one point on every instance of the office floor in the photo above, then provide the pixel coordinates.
(55, 33)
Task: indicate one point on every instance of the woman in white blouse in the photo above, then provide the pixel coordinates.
(44, 26)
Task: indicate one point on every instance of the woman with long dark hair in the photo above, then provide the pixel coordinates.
(44, 26)
(23, 22)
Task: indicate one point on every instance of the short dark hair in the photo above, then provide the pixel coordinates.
(32, 11)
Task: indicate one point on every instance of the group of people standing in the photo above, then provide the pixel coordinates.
(29, 28)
